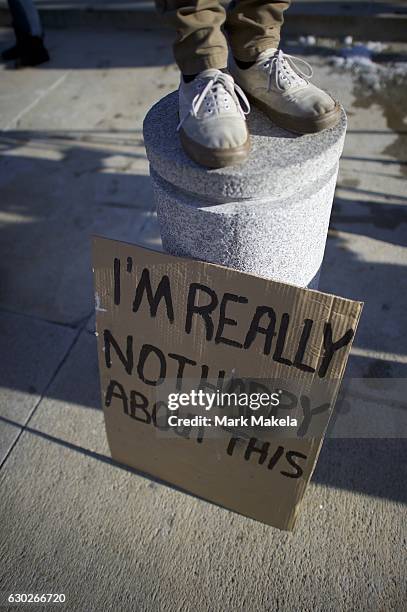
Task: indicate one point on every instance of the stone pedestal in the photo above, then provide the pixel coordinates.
(268, 216)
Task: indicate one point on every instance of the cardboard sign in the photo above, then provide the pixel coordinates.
(162, 318)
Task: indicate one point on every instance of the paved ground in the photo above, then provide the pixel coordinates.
(72, 163)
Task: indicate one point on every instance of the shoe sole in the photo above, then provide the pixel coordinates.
(29, 62)
(214, 158)
(299, 125)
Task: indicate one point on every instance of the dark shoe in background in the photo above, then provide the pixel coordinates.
(29, 51)
(32, 52)
(10, 54)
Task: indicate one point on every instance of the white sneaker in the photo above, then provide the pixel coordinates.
(212, 125)
(278, 86)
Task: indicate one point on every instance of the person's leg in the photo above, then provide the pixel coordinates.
(26, 20)
(277, 83)
(254, 26)
(29, 48)
(200, 42)
(212, 126)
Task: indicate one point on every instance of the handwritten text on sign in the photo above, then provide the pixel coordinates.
(162, 318)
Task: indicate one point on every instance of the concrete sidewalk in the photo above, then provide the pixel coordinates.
(72, 163)
(362, 19)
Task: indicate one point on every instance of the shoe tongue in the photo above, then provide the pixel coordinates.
(209, 73)
(266, 55)
(295, 78)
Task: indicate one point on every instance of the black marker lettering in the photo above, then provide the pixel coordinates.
(158, 421)
(127, 360)
(308, 414)
(298, 469)
(330, 347)
(203, 311)
(138, 402)
(146, 350)
(121, 394)
(256, 328)
(231, 445)
(275, 457)
(252, 448)
(224, 320)
(182, 361)
(299, 356)
(282, 332)
(163, 291)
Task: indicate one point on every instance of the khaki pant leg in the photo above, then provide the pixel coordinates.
(200, 42)
(253, 26)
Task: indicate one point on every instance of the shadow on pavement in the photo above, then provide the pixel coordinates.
(46, 275)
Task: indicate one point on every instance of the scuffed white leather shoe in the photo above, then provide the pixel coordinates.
(277, 85)
(212, 125)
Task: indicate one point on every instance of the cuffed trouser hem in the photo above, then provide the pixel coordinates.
(251, 26)
(251, 53)
(195, 65)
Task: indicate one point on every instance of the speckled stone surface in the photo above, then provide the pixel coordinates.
(268, 216)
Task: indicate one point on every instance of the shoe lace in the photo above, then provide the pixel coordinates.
(285, 68)
(215, 91)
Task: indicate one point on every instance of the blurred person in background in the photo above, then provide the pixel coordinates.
(29, 49)
(216, 86)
